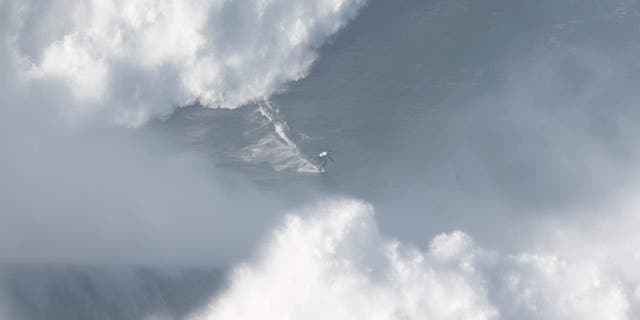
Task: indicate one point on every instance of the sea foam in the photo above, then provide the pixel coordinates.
(332, 263)
(130, 61)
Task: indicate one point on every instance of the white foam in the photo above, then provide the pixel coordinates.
(133, 60)
(334, 264)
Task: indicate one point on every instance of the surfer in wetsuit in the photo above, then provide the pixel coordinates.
(323, 157)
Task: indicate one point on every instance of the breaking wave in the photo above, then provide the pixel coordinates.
(130, 61)
(335, 264)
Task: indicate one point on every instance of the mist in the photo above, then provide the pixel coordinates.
(114, 196)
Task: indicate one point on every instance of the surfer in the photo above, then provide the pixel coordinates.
(323, 157)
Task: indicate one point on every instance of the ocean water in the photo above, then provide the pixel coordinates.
(160, 159)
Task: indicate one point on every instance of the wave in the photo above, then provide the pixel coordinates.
(130, 61)
(334, 264)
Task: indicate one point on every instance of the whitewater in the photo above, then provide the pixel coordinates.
(158, 159)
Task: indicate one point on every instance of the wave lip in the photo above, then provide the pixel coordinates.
(130, 61)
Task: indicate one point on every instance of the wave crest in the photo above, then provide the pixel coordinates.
(334, 264)
(135, 60)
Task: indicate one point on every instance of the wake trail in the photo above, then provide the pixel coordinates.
(277, 148)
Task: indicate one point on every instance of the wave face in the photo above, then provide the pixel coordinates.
(129, 61)
(335, 264)
(105, 292)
